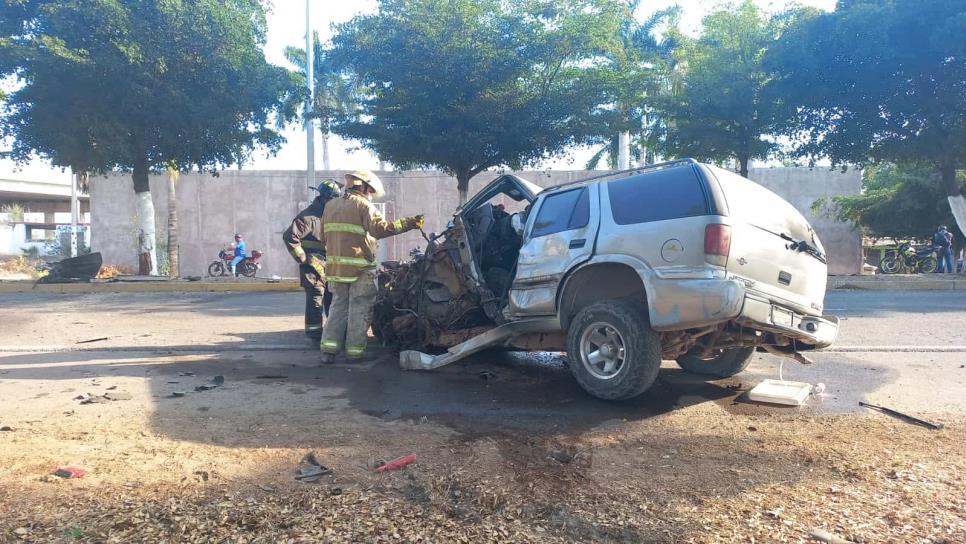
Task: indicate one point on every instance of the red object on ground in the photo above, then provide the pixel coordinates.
(397, 464)
(70, 472)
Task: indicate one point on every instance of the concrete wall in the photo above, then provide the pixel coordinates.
(261, 204)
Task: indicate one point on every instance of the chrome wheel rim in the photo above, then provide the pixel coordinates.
(602, 350)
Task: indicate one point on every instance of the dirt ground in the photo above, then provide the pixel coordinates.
(508, 448)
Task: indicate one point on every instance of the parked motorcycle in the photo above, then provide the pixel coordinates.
(247, 267)
(913, 260)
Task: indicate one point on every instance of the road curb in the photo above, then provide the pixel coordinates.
(894, 349)
(201, 348)
(173, 286)
(950, 282)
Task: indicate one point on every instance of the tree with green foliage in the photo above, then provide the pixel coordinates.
(723, 110)
(898, 202)
(139, 86)
(881, 80)
(336, 93)
(466, 85)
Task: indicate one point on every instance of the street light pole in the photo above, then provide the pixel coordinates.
(310, 104)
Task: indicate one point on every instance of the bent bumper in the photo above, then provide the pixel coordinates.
(675, 304)
(810, 332)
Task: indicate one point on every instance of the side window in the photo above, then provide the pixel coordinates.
(562, 211)
(656, 196)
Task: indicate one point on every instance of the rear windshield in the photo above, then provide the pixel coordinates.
(655, 196)
(757, 205)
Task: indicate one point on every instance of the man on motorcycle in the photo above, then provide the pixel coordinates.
(305, 242)
(239, 253)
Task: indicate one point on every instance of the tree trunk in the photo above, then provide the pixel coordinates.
(743, 166)
(463, 185)
(147, 254)
(172, 223)
(623, 150)
(325, 152)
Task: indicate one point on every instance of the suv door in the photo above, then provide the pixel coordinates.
(560, 234)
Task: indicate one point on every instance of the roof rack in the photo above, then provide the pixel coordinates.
(639, 169)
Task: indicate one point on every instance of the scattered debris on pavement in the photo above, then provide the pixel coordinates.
(905, 417)
(92, 340)
(397, 463)
(271, 377)
(391, 414)
(109, 396)
(216, 382)
(6, 429)
(310, 469)
(780, 392)
(70, 471)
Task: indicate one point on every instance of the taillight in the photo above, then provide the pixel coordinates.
(717, 244)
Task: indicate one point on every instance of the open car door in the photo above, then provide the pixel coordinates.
(478, 218)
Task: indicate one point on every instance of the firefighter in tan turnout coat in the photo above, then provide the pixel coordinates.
(351, 226)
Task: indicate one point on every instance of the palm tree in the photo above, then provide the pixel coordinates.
(336, 93)
(641, 72)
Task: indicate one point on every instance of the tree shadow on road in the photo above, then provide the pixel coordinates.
(489, 393)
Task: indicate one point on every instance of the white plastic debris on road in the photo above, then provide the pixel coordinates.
(781, 392)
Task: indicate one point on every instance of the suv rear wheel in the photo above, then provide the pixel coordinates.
(614, 353)
(726, 364)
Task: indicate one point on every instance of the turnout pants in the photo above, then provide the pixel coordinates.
(316, 300)
(347, 326)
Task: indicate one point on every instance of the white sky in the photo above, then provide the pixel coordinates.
(286, 26)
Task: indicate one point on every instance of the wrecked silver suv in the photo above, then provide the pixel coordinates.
(678, 260)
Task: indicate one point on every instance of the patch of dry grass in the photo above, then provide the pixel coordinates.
(685, 477)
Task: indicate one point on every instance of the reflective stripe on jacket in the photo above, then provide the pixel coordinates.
(351, 226)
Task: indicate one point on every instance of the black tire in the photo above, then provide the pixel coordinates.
(726, 364)
(247, 269)
(928, 265)
(890, 265)
(216, 269)
(641, 355)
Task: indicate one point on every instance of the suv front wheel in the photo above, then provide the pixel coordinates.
(614, 353)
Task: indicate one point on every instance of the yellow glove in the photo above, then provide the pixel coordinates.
(418, 221)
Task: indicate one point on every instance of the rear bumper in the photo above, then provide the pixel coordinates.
(810, 332)
(675, 304)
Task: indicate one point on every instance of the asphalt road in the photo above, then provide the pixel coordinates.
(902, 349)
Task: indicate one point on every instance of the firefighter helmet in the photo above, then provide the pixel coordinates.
(367, 179)
(328, 189)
